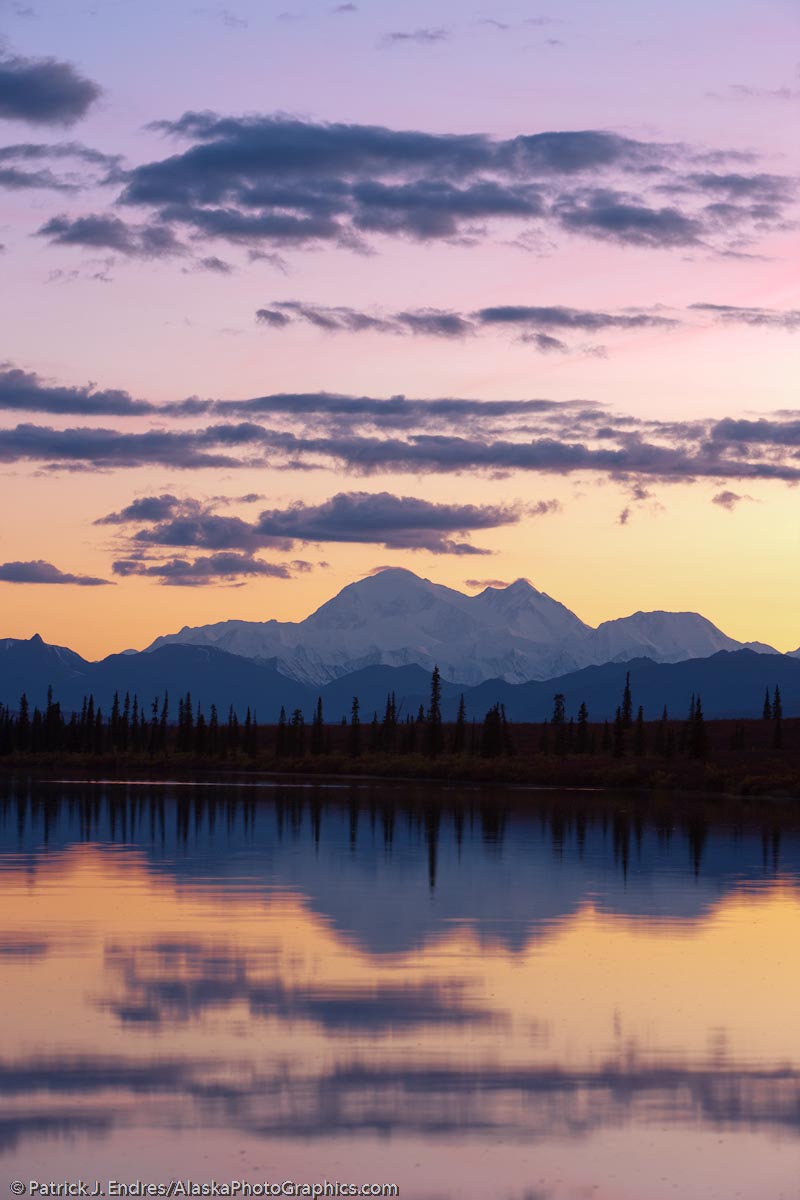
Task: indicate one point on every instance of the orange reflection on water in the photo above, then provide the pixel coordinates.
(236, 1032)
(130, 948)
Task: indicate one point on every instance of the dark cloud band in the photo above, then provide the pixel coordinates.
(25, 391)
(43, 91)
(197, 572)
(367, 435)
(759, 318)
(262, 180)
(40, 571)
(531, 323)
(367, 518)
(60, 167)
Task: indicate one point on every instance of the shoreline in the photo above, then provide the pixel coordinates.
(592, 777)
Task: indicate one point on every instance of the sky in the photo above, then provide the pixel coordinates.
(293, 291)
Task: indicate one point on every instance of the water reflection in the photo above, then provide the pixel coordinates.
(378, 973)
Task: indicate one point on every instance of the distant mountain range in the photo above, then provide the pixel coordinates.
(731, 683)
(514, 633)
(385, 634)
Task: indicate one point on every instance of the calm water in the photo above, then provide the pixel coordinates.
(470, 994)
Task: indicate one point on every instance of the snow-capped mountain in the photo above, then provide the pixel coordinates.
(393, 618)
(516, 633)
(664, 637)
(522, 610)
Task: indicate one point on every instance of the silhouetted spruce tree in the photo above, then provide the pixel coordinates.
(777, 717)
(99, 738)
(250, 734)
(53, 724)
(232, 729)
(125, 723)
(460, 728)
(136, 740)
(640, 734)
(200, 733)
(767, 711)
(317, 729)
(505, 728)
(685, 738)
(87, 720)
(661, 735)
(557, 723)
(185, 723)
(492, 733)
(297, 733)
(152, 732)
(627, 703)
(163, 723)
(389, 726)
(144, 729)
(188, 717)
(24, 724)
(213, 731)
(434, 736)
(37, 737)
(698, 735)
(354, 740)
(114, 720)
(582, 731)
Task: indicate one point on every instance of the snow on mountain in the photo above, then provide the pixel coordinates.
(35, 649)
(249, 639)
(662, 636)
(522, 610)
(395, 618)
(23, 661)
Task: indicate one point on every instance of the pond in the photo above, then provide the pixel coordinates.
(458, 992)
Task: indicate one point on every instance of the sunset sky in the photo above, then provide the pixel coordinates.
(295, 290)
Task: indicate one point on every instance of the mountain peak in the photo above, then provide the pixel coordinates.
(394, 617)
(392, 577)
(522, 587)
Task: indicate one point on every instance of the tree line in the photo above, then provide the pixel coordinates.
(131, 727)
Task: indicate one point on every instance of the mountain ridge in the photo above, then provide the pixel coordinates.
(516, 632)
(732, 684)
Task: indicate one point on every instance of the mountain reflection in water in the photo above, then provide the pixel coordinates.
(468, 993)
